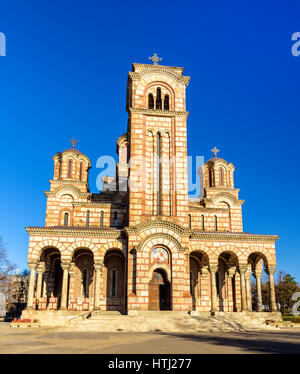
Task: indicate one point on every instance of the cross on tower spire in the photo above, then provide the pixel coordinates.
(155, 59)
(73, 142)
(215, 151)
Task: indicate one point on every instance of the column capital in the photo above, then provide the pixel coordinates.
(243, 268)
(98, 266)
(258, 274)
(65, 265)
(32, 265)
(213, 268)
(41, 268)
(231, 271)
(271, 270)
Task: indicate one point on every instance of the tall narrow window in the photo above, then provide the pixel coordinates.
(59, 169)
(221, 177)
(101, 218)
(190, 221)
(202, 223)
(159, 171)
(150, 101)
(158, 99)
(114, 282)
(166, 102)
(88, 217)
(115, 219)
(85, 287)
(210, 178)
(66, 219)
(80, 171)
(216, 223)
(69, 169)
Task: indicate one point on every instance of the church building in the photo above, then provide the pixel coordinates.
(141, 243)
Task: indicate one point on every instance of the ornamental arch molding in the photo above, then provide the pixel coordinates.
(118, 245)
(225, 196)
(45, 244)
(80, 244)
(160, 239)
(268, 258)
(67, 190)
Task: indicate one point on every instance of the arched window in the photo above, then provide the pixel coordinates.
(210, 178)
(158, 99)
(190, 221)
(69, 169)
(114, 282)
(150, 101)
(159, 171)
(166, 102)
(85, 285)
(101, 218)
(115, 219)
(66, 219)
(88, 217)
(221, 177)
(80, 171)
(202, 223)
(216, 223)
(59, 169)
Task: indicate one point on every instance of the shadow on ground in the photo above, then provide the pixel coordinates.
(270, 342)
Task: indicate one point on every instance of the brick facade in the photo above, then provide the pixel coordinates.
(149, 246)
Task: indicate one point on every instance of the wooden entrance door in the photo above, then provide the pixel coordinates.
(159, 292)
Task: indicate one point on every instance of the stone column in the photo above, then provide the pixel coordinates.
(248, 290)
(213, 269)
(258, 275)
(64, 288)
(32, 267)
(243, 270)
(98, 271)
(271, 271)
(40, 271)
(231, 272)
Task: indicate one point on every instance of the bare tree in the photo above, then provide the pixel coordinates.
(6, 269)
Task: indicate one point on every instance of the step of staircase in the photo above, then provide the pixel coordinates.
(167, 321)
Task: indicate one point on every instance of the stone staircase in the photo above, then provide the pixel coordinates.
(169, 321)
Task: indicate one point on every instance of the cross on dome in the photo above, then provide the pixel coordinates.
(73, 142)
(155, 59)
(215, 151)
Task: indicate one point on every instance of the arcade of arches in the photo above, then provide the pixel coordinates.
(86, 284)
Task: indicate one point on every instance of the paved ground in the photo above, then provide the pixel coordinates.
(47, 340)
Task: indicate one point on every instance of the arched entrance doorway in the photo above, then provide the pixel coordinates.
(159, 291)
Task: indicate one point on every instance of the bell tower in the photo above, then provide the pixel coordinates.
(157, 138)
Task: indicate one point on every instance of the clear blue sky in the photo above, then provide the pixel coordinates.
(65, 75)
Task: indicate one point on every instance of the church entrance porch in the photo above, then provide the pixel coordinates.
(159, 291)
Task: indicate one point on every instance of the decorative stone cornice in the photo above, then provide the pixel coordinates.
(158, 223)
(99, 204)
(159, 112)
(204, 209)
(74, 231)
(171, 71)
(231, 236)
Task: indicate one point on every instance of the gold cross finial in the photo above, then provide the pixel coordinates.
(155, 59)
(73, 142)
(215, 151)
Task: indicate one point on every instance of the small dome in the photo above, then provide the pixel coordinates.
(73, 150)
(215, 159)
